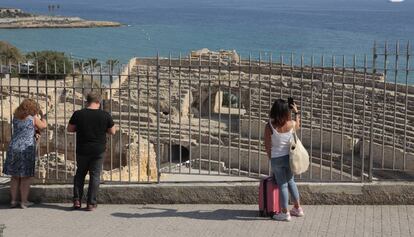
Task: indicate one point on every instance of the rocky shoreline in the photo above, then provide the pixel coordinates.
(21, 21)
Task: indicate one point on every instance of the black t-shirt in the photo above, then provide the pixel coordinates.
(91, 126)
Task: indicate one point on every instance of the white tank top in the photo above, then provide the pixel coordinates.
(280, 142)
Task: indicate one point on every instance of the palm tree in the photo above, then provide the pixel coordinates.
(92, 62)
(111, 64)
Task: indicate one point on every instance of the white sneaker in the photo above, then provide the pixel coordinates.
(297, 212)
(25, 205)
(282, 216)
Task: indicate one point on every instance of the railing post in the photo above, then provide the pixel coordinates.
(158, 120)
(371, 143)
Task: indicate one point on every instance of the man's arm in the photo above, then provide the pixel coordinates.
(72, 123)
(71, 128)
(110, 125)
(111, 131)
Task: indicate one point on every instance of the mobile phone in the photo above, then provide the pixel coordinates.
(291, 102)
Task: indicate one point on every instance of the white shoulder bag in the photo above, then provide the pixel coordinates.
(298, 155)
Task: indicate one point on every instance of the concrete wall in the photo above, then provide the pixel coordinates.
(401, 193)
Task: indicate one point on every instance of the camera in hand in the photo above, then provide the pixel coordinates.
(291, 102)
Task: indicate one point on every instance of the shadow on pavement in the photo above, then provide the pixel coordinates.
(220, 214)
(53, 206)
(45, 206)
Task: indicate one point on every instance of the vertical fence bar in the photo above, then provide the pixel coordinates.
(229, 123)
(332, 117)
(281, 76)
(270, 103)
(120, 122)
(353, 116)
(321, 123)
(301, 99)
(259, 149)
(73, 107)
(311, 119)
(239, 122)
(28, 78)
(363, 120)
(384, 104)
(103, 104)
(47, 128)
(371, 145)
(209, 114)
(291, 76)
(129, 122)
(10, 98)
(83, 84)
(37, 101)
(220, 103)
(250, 114)
(397, 54)
(179, 113)
(111, 142)
(169, 114)
(189, 114)
(407, 70)
(3, 139)
(158, 121)
(139, 120)
(65, 138)
(343, 113)
(199, 115)
(19, 82)
(55, 76)
(148, 124)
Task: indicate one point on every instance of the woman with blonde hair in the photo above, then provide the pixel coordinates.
(21, 154)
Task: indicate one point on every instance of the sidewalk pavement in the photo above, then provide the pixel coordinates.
(204, 220)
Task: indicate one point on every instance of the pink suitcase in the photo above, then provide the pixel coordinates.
(268, 197)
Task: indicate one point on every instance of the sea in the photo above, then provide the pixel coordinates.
(251, 27)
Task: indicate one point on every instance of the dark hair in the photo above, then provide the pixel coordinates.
(93, 97)
(280, 112)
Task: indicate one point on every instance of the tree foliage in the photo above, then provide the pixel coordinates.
(51, 64)
(9, 54)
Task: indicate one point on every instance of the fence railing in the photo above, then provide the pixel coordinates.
(206, 116)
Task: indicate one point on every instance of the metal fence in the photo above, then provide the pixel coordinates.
(206, 114)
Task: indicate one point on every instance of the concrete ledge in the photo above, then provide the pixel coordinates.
(378, 193)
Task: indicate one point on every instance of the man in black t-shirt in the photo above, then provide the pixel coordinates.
(91, 126)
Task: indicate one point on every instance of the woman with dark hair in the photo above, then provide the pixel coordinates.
(21, 154)
(278, 134)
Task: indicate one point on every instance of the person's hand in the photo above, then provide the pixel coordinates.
(295, 108)
(37, 135)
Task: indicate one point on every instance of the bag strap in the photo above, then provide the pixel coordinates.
(269, 126)
(295, 136)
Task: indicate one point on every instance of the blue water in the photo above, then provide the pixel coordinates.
(332, 27)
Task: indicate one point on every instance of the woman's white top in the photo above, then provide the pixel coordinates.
(280, 142)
